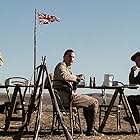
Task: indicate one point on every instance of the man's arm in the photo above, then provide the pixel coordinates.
(132, 79)
(62, 73)
(65, 75)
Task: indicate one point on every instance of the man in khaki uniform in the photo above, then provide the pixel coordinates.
(89, 104)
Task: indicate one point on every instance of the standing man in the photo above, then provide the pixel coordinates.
(63, 73)
(134, 100)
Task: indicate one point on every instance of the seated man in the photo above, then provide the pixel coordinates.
(134, 100)
(89, 104)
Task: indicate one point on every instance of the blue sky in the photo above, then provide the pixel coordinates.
(104, 34)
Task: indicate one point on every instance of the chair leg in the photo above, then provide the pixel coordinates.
(101, 111)
(99, 116)
(53, 121)
(57, 122)
(74, 121)
(79, 121)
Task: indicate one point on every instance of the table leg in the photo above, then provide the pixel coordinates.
(12, 107)
(22, 103)
(127, 106)
(108, 110)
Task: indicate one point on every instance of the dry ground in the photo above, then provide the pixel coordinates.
(110, 129)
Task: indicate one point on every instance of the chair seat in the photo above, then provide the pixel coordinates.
(114, 109)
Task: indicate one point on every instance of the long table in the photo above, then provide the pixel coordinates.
(119, 90)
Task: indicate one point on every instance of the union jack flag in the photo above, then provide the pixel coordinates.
(47, 19)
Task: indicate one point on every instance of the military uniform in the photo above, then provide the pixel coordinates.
(89, 104)
(63, 72)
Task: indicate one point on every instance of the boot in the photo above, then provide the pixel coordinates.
(90, 119)
(86, 115)
(90, 116)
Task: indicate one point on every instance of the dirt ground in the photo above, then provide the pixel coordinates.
(110, 130)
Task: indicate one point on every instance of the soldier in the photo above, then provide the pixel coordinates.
(89, 104)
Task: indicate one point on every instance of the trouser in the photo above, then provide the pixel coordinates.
(85, 101)
(90, 108)
(134, 100)
(88, 103)
(79, 101)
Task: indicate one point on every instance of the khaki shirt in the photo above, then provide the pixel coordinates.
(64, 73)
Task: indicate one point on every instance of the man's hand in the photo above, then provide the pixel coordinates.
(133, 68)
(80, 77)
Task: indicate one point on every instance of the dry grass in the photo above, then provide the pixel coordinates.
(110, 129)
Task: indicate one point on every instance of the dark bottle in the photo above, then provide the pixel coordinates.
(91, 82)
(94, 82)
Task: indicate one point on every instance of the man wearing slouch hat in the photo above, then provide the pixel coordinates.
(134, 79)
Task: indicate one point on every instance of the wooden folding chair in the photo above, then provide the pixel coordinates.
(70, 114)
(16, 80)
(115, 112)
(14, 105)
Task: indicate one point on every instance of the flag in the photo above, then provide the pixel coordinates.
(47, 19)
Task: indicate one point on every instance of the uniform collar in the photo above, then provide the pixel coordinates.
(66, 65)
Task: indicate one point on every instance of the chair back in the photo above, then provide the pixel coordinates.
(16, 81)
(12, 81)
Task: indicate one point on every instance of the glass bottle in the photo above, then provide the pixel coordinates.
(94, 82)
(91, 82)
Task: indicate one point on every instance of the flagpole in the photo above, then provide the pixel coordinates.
(35, 47)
